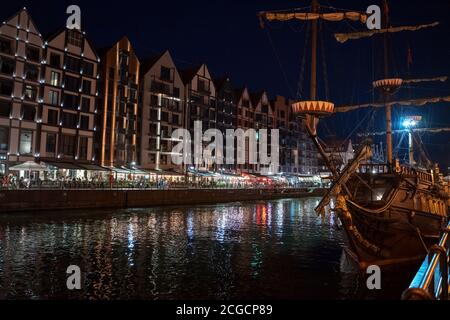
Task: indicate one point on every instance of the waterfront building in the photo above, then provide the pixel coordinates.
(117, 127)
(162, 101)
(245, 121)
(263, 117)
(200, 97)
(288, 143)
(227, 116)
(69, 101)
(20, 93)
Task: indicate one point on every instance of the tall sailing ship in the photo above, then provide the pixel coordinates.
(392, 212)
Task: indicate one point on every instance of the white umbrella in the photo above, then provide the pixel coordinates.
(29, 166)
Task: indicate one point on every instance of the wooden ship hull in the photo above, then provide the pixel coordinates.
(393, 218)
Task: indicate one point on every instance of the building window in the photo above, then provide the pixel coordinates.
(5, 46)
(67, 145)
(54, 78)
(55, 60)
(71, 83)
(176, 92)
(4, 137)
(175, 119)
(52, 117)
(53, 97)
(33, 54)
(7, 65)
(86, 87)
(5, 108)
(28, 112)
(26, 138)
(166, 74)
(31, 72)
(165, 116)
(84, 122)
(70, 101)
(73, 64)
(69, 120)
(6, 87)
(83, 148)
(154, 115)
(30, 92)
(75, 38)
(88, 68)
(50, 146)
(85, 104)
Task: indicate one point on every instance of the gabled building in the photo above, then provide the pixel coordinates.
(200, 97)
(117, 128)
(227, 113)
(245, 121)
(70, 90)
(288, 149)
(162, 94)
(21, 99)
(263, 119)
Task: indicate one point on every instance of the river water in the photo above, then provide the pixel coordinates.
(276, 249)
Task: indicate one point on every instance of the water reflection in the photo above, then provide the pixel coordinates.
(278, 249)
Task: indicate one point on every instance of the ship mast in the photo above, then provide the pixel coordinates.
(388, 108)
(313, 89)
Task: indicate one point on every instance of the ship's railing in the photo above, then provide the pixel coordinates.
(432, 280)
(373, 168)
(407, 171)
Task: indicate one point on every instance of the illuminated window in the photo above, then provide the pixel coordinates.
(4, 137)
(30, 92)
(53, 97)
(26, 138)
(54, 80)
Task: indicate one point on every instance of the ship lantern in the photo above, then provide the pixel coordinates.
(389, 86)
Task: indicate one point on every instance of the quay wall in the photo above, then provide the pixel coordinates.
(41, 200)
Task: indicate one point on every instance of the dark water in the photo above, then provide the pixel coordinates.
(271, 249)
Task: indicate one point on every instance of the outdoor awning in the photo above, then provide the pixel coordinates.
(139, 171)
(118, 170)
(29, 166)
(64, 165)
(92, 167)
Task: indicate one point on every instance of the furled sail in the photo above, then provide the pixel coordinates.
(442, 79)
(412, 102)
(381, 133)
(343, 37)
(306, 16)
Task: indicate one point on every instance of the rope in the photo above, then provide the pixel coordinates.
(279, 61)
(302, 65)
(324, 62)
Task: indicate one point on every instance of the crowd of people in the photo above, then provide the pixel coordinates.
(111, 181)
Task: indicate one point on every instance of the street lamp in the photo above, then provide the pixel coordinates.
(409, 123)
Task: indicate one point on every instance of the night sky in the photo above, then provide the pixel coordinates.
(226, 36)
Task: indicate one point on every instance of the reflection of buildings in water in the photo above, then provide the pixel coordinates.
(279, 210)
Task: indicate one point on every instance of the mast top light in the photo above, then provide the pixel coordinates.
(313, 107)
(411, 121)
